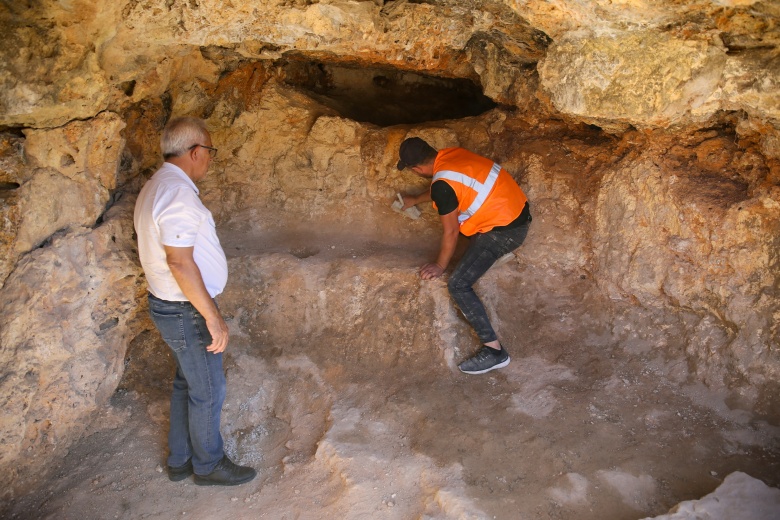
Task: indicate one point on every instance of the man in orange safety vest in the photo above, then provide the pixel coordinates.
(477, 197)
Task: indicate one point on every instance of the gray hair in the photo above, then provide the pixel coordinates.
(181, 134)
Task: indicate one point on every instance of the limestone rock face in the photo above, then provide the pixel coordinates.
(80, 150)
(599, 59)
(63, 346)
(599, 69)
(739, 18)
(666, 75)
(12, 174)
(704, 242)
(640, 79)
(139, 49)
(613, 78)
(65, 180)
(751, 82)
(49, 69)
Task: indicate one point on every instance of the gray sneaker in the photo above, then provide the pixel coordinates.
(485, 360)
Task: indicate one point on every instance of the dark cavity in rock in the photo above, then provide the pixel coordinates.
(384, 96)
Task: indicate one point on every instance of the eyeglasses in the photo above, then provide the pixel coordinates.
(212, 151)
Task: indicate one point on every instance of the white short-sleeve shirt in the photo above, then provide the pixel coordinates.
(169, 212)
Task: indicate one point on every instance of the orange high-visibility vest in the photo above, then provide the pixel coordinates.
(487, 195)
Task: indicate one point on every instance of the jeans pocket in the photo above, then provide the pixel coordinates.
(171, 327)
(518, 236)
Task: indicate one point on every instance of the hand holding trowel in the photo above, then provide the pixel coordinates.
(411, 212)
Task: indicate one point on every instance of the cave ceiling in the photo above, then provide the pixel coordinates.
(614, 64)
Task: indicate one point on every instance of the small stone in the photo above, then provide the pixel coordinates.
(234, 499)
(158, 469)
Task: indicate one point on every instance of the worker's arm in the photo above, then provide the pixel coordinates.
(449, 240)
(413, 200)
(188, 276)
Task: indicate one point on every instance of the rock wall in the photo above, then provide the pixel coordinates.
(64, 179)
(692, 227)
(65, 323)
(645, 133)
(652, 79)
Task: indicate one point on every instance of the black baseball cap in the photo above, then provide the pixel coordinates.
(414, 151)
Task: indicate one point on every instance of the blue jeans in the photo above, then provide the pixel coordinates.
(483, 251)
(198, 387)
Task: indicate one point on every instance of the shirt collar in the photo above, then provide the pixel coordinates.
(179, 172)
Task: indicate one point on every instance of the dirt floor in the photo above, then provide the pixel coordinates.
(343, 393)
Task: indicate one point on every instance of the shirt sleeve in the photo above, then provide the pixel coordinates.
(444, 197)
(180, 218)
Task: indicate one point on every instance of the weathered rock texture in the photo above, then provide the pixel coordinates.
(740, 496)
(669, 201)
(651, 79)
(697, 231)
(64, 329)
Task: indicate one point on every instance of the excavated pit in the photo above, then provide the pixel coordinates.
(343, 393)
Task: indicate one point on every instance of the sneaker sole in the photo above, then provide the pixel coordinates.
(475, 372)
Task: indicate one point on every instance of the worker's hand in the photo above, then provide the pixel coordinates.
(431, 271)
(408, 201)
(219, 335)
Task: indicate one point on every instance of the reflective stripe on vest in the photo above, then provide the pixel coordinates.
(482, 189)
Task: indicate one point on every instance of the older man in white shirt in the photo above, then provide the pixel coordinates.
(186, 268)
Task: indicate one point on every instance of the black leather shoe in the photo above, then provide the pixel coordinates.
(180, 473)
(226, 473)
